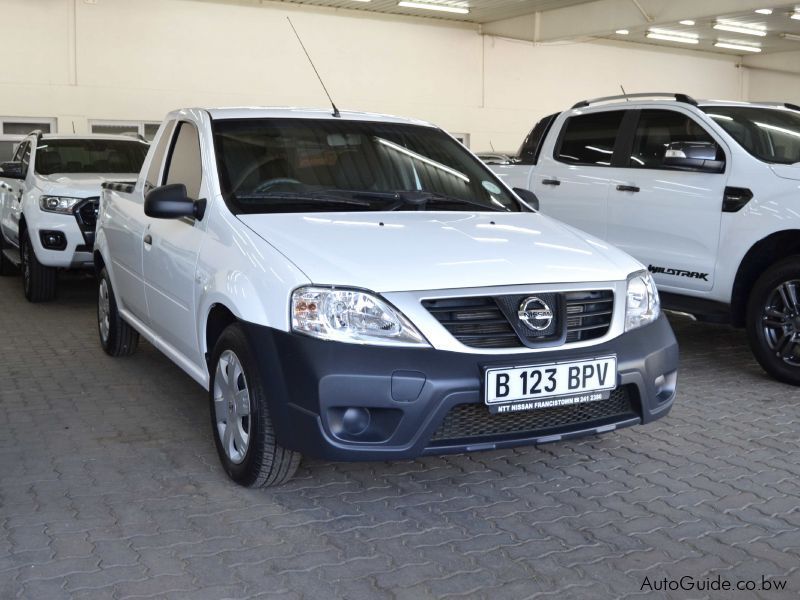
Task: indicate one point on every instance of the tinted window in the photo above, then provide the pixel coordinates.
(89, 156)
(656, 130)
(184, 164)
(589, 139)
(308, 165)
(532, 146)
(769, 134)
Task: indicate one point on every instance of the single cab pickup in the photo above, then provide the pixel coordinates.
(705, 193)
(361, 287)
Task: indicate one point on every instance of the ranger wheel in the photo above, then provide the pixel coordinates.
(6, 266)
(38, 281)
(117, 337)
(240, 420)
(773, 320)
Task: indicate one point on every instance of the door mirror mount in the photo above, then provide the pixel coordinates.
(528, 197)
(12, 170)
(694, 156)
(172, 202)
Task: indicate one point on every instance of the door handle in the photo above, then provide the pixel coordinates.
(148, 240)
(627, 188)
(551, 182)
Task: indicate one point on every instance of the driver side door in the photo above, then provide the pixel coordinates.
(171, 249)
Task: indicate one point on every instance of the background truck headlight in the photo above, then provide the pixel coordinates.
(351, 316)
(58, 204)
(642, 305)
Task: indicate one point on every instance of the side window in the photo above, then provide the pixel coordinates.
(532, 146)
(160, 150)
(18, 152)
(184, 164)
(657, 129)
(589, 139)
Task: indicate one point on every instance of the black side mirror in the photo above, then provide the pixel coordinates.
(695, 156)
(171, 202)
(12, 170)
(528, 197)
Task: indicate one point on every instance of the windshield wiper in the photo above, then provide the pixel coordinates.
(421, 199)
(306, 198)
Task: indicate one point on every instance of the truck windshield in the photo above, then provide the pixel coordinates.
(770, 134)
(89, 156)
(310, 165)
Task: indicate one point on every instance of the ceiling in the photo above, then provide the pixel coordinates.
(480, 11)
(776, 26)
(560, 20)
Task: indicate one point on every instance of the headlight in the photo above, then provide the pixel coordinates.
(58, 204)
(643, 305)
(351, 316)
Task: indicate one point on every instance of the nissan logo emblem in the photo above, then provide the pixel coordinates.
(535, 314)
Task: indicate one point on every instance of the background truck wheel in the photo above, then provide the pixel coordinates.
(38, 281)
(116, 337)
(773, 320)
(240, 420)
(6, 266)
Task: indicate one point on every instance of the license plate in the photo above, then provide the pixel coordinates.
(546, 386)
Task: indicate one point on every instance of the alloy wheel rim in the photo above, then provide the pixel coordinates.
(232, 406)
(103, 310)
(780, 322)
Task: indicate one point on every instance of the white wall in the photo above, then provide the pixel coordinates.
(120, 59)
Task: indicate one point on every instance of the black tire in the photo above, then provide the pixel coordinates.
(773, 320)
(117, 337)
(6, 266)
(263, 462)
(38, 281)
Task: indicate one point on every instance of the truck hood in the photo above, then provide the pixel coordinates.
(787, 171)
(404, 251)
(81, 185)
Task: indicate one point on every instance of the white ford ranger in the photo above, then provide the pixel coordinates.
(48, 203)
(361, 287)
(704, 193)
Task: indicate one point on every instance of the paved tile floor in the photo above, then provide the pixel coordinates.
(110, 488)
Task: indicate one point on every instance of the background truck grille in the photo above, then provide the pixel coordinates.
(470, 421)
(86, 214)
(479, 322)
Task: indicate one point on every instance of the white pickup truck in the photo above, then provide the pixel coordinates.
(703, 193)
(361, 287)
(48, 203)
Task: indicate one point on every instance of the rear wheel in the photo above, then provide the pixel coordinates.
(773, 320)
(116, 337)
(242, 427)
(6, 266)
(38, 281)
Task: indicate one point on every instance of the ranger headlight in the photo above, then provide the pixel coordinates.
(351, 316)
(58, 204)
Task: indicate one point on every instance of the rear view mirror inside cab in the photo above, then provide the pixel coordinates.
(339, 140)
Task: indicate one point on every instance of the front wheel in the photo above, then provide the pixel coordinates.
(773, 320)
(38, 280)
(242, 427)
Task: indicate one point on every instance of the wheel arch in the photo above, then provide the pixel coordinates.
(758, 258)
(218, 318)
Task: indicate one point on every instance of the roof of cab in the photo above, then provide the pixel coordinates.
(288, 112)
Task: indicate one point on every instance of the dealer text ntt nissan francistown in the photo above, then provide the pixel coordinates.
(361, 287)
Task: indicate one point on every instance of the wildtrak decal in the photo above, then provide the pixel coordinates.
(678, 272)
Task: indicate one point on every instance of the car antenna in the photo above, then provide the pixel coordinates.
(491, 145)
(73, 126)
(335, 110)
(624, 93)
